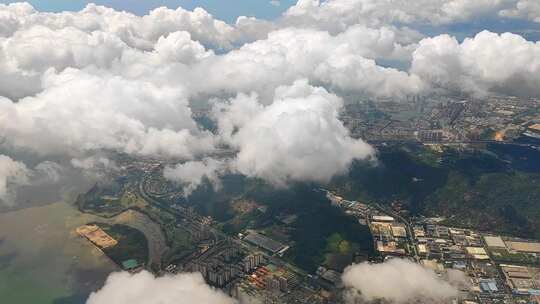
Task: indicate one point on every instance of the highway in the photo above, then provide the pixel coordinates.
(397, 141)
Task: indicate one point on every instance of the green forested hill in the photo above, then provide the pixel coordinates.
(495, 188)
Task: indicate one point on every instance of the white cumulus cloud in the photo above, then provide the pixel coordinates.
(12, 174)
(136, 31)
(298, 137)
(398, 281)
(338, 15)
(144, 288)
(80, 112)
(524, 9)
(345, 61)
(192, 173)
(487, 63)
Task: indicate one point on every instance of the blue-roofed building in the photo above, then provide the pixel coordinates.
(489, 285)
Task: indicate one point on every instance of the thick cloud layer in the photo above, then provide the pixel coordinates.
(298, 137)
(398, 281)
(345, 61)
(76, 84)
(337, 15)
(80, 112)
(144, 288)
(139, 32)
(487, 63)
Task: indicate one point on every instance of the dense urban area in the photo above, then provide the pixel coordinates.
(253, 241)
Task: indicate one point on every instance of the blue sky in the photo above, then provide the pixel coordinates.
(227, 10)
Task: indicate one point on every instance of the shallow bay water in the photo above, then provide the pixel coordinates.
(43, 260)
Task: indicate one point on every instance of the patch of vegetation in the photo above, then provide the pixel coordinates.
(217, 203)
(240, 222)
(279, 232)
(317, 221)
(339, 252)
(503, 202)
(110, 200)
(132, 244)
(399, 175)
(130, 199)
(487, 134)
(504, 256)
(180, 244)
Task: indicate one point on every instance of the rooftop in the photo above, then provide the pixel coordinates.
(130, 264)
(494, 242)
(264, 242)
